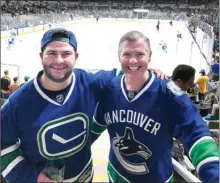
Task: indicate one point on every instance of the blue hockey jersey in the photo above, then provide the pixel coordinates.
(36, 128)
(141, 127)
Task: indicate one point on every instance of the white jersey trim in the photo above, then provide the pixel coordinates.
(176, 90)
(207, 160)
(110, 176)
(117, 72)
(49, 99)
(168, 180)
(198, 141)
(95, 132)
(98, 123)
(117, 173)
(140, 92)
(11, 165)
(75, 178)
(10, 149)
(90, 177)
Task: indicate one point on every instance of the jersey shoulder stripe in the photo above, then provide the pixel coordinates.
(175, 89)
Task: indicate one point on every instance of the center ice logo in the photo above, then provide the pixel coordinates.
(127, 146)
(63, 137)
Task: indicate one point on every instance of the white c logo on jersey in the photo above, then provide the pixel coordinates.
(78, 127)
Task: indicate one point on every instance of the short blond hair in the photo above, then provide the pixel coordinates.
(133, 36)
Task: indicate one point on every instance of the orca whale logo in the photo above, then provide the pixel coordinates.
(128, 146)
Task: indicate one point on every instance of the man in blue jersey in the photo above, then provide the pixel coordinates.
(142, 114)
(215, 70)
(184, 76)
(49, 117)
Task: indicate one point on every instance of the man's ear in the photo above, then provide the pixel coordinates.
(41, 55)
(150, 56)
(119, 59)
(178, 81)
(76, 55)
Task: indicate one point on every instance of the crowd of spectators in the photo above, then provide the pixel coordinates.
(8, 87)
(200, 16)
(16, 8)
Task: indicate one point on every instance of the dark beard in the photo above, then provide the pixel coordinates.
(66, 76)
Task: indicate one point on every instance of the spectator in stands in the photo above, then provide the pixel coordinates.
(217, 55)
(215, 70)
(178, 117)
(193, 93)
(202, 83)
(184, 76)
(212, 86)
(26, 79)
(13, 87)
(214, 114)
(211, 98)
(5, 83)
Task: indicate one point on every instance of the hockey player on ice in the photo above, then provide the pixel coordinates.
(158, 22)
(179, 36)
(171, 23)
(12, 38)
(163, 46)
(158, 26)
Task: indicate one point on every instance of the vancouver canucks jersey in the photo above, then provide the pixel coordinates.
(141, 127)
(37, 127)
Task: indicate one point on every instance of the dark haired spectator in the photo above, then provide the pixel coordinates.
(13, 87)
(26, 79)
(184, 76)
(5, 83)
(193, 92)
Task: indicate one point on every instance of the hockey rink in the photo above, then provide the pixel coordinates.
(97, 47)
(98, 44)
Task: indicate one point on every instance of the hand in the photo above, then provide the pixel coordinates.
(43, 178)
(159, 73)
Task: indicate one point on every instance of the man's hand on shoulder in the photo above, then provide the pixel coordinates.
(159, 73)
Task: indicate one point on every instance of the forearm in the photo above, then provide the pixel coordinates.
(97, 130)
(14, 166)
(209, 172)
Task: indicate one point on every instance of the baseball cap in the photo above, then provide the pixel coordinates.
(58, 34)
(202, 71)
(26, 78)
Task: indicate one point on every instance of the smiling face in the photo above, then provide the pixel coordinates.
(58, 60)
(135, 57)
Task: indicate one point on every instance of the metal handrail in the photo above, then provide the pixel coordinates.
(185, 174)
